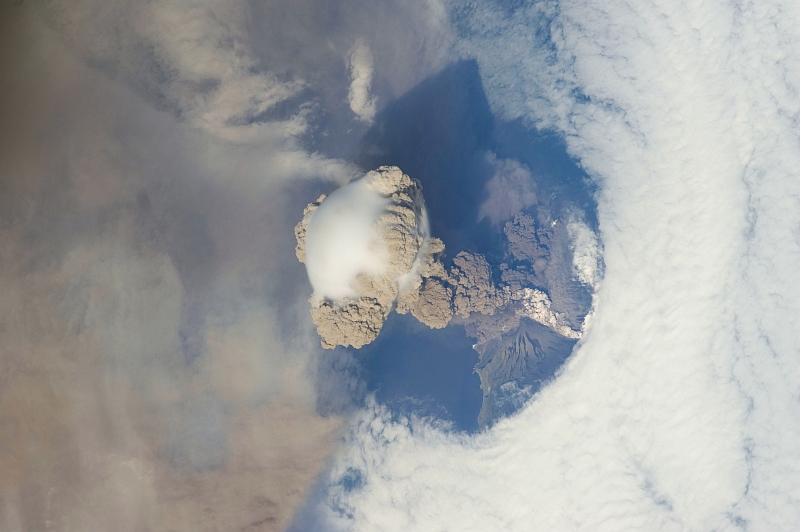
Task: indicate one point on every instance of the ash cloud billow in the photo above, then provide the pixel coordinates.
(367, 250)
(363, 247)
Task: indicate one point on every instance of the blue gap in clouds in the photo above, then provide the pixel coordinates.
(437, 133)
(417, 370)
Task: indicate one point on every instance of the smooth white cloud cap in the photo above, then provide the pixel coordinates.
(342, 242)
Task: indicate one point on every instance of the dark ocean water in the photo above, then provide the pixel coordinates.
(423, 371)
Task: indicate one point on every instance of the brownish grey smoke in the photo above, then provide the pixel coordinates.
(119, 408)
(430, 292)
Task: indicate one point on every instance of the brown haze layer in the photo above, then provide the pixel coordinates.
(104, 423)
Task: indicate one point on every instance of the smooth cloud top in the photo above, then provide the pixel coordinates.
(342, 241)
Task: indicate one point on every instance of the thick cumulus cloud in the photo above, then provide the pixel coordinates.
(586, 253)
(678, 410)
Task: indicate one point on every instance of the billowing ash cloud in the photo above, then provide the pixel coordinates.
(363, 247)
(367, 249)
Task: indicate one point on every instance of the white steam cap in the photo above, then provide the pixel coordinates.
(341, 241)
